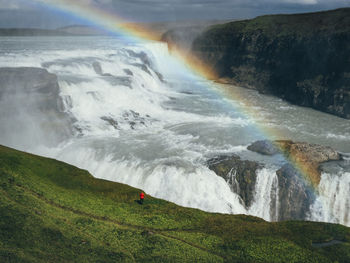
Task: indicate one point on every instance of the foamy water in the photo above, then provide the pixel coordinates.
(139, 117)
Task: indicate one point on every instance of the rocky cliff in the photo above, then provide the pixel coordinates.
(304, 58)
(296, 179)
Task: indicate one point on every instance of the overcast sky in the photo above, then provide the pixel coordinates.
(25, 13)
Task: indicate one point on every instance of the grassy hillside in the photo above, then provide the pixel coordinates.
(54, 212)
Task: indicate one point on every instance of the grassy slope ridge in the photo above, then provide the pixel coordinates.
(53, 212)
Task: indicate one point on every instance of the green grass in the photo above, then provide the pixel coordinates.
(53, 212)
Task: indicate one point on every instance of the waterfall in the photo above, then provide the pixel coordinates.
(137, 116)
(333, 201)
(266, 201)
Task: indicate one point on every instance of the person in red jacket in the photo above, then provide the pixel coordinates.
(142, 197)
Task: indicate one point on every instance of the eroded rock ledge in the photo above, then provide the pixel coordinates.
(297, 179)
(306, 156)
(239, 174)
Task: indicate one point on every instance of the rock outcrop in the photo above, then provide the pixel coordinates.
(295, 195)
(265, 147)
(239, 174)
(301, 58)
(306, 156)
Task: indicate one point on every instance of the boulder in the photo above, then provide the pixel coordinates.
(265, 147)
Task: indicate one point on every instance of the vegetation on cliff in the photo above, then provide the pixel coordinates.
(302, 58)
(53, 212)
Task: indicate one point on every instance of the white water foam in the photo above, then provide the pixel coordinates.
(333, 202)
(129, 131)
(189, 186)
(266, 195)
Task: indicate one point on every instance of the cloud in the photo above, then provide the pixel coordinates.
(303, 2)
(17, 5)
(9, 5)
(165, 10)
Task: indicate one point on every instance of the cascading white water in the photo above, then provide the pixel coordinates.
(141, 118)
(266, 201)
(188, 186)
(333, 201)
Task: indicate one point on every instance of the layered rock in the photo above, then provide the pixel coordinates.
(239, 174)
(306, 156)
(297, 182)
(302, 58)
(295, 195)
(293, 192)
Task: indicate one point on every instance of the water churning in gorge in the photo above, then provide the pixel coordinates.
(130, 113)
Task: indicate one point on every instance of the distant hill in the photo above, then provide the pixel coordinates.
(53, 212)
(31, 32)
(82, 30)
(156, 28)
(302, 58)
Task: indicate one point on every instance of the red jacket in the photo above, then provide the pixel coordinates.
(142, 196)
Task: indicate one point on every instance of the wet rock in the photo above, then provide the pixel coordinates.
(111, 121)
(304, 151)
(160, 76)
(265, 147)
(142, 67)
(295, 194)
(120, 80)
(97, 67)
(134, 119)
(128, 72)
(308, 156)
(141, 55)
(239, 174)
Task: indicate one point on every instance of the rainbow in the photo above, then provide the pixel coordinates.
(114, 24)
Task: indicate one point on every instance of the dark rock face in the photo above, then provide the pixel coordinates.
(302, 58)
(294, 190)
(265, 147)
(97, 67)
(295, 195)
(239, 174)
